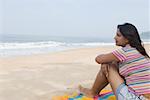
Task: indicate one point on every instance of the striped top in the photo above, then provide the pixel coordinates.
(135, 68)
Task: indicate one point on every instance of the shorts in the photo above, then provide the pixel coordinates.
(123, 93)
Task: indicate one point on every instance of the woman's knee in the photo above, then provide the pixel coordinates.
(113, 71)
(113, 67)
(103, 66)
(109, 69)
(104, 69)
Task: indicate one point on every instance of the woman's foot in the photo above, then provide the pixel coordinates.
(87, 92)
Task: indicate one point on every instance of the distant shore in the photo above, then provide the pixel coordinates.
(41, 76)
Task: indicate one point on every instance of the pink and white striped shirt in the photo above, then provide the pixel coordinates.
(135, 68)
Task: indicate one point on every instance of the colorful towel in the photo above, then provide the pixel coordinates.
(104, 95)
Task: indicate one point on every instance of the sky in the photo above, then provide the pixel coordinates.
(72, 17)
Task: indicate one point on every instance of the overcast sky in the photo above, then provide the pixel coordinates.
(72, 17)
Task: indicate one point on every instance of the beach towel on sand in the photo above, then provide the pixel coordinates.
(104, 95)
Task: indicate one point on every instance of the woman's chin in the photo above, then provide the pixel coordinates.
(117, 44)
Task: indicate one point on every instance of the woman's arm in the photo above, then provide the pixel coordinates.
(106, 58)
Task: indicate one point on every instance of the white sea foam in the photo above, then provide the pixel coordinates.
(30, 45)
(28, 48)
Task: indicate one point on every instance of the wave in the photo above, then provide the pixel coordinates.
(28, 48)
(30, 45)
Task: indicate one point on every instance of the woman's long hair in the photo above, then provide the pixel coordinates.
(130, 32)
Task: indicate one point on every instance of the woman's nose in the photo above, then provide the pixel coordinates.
(114, 37)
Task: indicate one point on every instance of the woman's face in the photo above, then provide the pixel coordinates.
(120, 39)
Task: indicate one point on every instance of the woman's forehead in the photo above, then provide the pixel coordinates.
(118, 31)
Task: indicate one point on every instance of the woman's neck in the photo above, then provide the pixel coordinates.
(127, 45)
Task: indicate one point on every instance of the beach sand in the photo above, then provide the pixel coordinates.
(39, 77)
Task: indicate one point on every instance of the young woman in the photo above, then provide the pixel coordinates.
(126, 69)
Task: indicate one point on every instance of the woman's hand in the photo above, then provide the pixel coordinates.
(106, 58)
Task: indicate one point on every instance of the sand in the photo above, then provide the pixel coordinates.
(41, 76)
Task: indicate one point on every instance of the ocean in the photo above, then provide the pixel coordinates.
(16, 45)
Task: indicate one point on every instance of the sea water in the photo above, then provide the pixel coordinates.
(15, 44)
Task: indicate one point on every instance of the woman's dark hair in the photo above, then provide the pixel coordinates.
(130, 32)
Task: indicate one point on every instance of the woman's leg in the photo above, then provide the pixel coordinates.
(113, 76)
(99, 84)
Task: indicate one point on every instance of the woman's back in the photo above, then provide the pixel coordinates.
(135, 68)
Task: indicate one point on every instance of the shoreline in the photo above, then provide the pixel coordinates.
(57, 51)
(43, 48)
